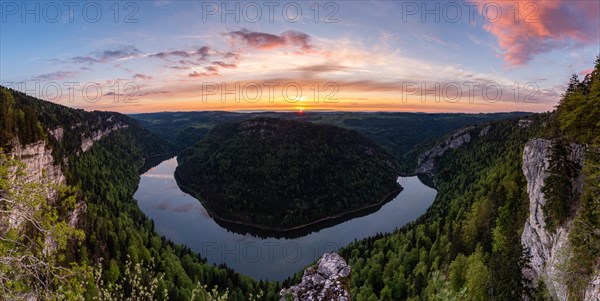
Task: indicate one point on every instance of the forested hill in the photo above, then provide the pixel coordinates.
(69, 131)
(282, 174)
(119, 253)
(467, 245)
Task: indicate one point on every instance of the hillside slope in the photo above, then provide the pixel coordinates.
(515, 217)
(98, 154)
(282, 174)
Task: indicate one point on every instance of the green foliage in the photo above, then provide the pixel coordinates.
(7, 117)
(280, 173)
(578, 119)
(584, 238)
(541, 292)
(35, 236)
(116, 231)
(558, 187)
(120, 232)
(467, 245)
(478, 277)
(139, 282)
(579, 109)
(19, 122)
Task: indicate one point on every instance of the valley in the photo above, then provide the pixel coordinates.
(264, 254)
(438, 150)
(480, 207)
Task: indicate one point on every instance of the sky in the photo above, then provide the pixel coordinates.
(418, 56)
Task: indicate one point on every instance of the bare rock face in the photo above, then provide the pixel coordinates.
(38, 160)
(58, 133)
(88, 142)
(328, 279)
(592, 292)
(40, 168)
(549, 251)
(524, 123)
(426, 160)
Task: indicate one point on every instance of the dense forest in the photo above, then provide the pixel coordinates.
(467, 246)
(282, 174)
(120, 252)
(577, 120)
(17, 121)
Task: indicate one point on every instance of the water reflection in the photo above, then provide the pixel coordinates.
(259, 253)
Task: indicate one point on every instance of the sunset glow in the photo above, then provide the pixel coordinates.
(185, 56)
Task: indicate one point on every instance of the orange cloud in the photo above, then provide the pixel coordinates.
(525, 29)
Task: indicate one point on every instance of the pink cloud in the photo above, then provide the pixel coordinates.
(586, 71)
(142, 76)
(541, 26)
(267, 41)
(212, 69)
(224, 65)
(196, 74)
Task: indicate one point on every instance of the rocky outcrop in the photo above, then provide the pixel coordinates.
(40, 167)
(58, 133)
(549, 251)
(88, 142)
(485, 131)
(592, 292)
(525, 123)
(328, 279)
(39, 163)
(426, 160)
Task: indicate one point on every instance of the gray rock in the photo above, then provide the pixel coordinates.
(328, 279)
(484, 131)
(88, 142)
(40, 167)
(38, 160)
(524, 123)
(426, 160)
(345, 272)
(548, 250)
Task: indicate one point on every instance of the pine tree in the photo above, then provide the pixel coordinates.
(558, 188)
(7, 118)
(573, 84)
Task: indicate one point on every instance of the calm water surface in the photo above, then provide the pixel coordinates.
(260, 254)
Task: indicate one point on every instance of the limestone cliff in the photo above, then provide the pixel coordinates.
(426, 160)
(39, 162)
(549, 251)
(88, 142)
(41, 166)
(328, 279)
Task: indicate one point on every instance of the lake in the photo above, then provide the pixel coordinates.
(264, 254)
